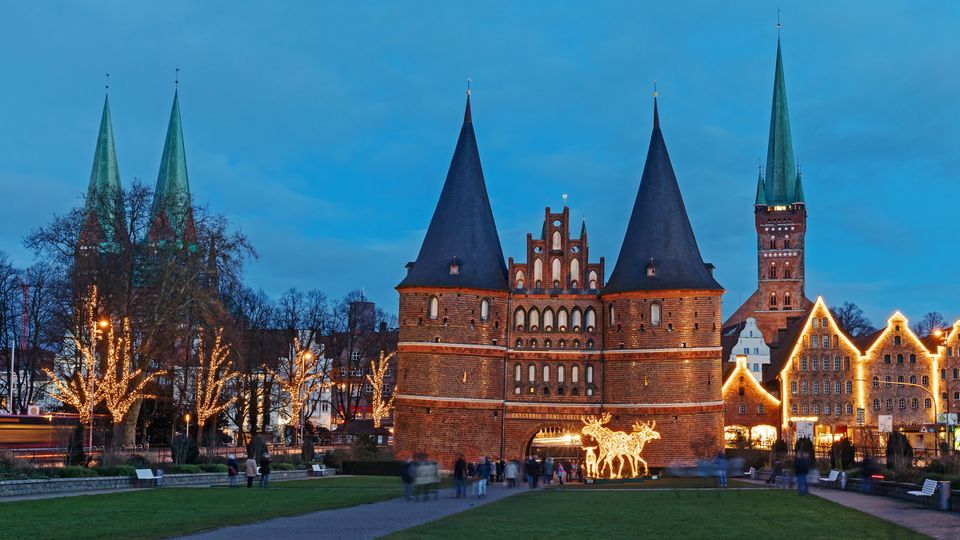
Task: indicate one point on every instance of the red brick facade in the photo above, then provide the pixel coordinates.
(482, 372)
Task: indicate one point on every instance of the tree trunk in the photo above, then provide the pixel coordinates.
(129, 424)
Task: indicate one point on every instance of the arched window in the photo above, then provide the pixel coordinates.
(589, 374)
(773, 300)
(548, 320)
(547, 343)
(562, 343)
(519, 279)
(913, 379)
(434, 307)
(913, 359)
(484, 309)
(786, 270)
(555, 272)
(655, 312)
(557, 241)
(533, 343)
(534, 319)
(772, 271)
(611, 315)
(531, 373)
(589, 344)
(575, 374)
(887, 381)
(848, 387)
(876, 382)
(516, 372)
(574, 270)
(576, 344)
(575, 319)
(538, 271)
(925, 381)
(562, 319)
(519, 344)
(593, 279)
(786, 300)
(590, 319)
(899, 358)
(546, 373)
(773, 242)
(786, 243)
(560, 374)
(519, 319)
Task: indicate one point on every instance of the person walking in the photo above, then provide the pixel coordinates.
(530, 469)
(265, 471)
(251, 471)
(510, 474)
(501, 466)
(233, 469)
(547, 471)
(801, 468)
(407, 474)
(561, 472)
(483, 475)
(472, 477)
(777, 471)
(460, 476)
(721, 464)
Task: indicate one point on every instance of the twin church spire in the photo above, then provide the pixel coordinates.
(171, 216)
(782, 185)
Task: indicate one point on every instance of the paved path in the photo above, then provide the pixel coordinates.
(363, 521)
(923, 519)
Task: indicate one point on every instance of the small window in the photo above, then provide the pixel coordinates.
(760, 409)
(519, 319)
(516, 390)
(876, 404)
(925, 380)
(589, 374)
(901, 403)
(927, 403)
(516, 372)
(531, 373)
(793, 387)
(546, 373)
(593, 282)
(434, 307)
(913, 359)
(519, 280)
(560, 374)
(484, 309)
(887, 381)
(590, 319)
(655, 312)
(914, 403)
(575, 374)
(849, 408)
(804, 388)
(896, 340)
(773, 300)
(876, 382)
(612, 314)
(848, 387)
(742, 409)
(899, 358)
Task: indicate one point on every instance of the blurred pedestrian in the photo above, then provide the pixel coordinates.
(801, 468)
(547, 471)
(501, 466)
(866, 474)
(251, 471)
(460, 476)
(510, 473)
(777, 471)
(407, 474)
(561, 473)
(483, 475)
(721, 463)
(265, 471)
(233, 469)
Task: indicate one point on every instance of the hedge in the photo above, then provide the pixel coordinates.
(117, 470)
(75, 472)
(215, 467)
(373, 468)
(170, 468)
(282, 466)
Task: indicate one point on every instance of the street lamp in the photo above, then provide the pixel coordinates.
(187, 418)
(305, 357)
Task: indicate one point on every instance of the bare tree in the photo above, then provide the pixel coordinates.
(213, 377)
(381, 396)
(930, 322)
(851, 319)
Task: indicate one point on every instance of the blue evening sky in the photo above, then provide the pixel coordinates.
(324, 130)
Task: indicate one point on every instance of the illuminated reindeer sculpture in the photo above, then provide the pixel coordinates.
(613, 445)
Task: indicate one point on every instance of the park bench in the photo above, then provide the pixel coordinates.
(146, 475)
(319, 470)
(928, 489)
(831, 478)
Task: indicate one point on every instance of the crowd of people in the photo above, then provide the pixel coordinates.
(471, 478)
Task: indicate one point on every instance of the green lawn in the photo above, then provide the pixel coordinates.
(661, 514)
(163, 512)
(660, 483)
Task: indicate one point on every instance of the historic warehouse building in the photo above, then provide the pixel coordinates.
(490, 355)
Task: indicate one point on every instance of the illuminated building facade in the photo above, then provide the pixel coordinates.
(491, 356)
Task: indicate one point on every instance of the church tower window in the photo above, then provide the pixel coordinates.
(484, 309)
(655, 314)
(434, 307)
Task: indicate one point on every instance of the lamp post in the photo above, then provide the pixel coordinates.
(102, 325)
(303, 359)
(187, 418)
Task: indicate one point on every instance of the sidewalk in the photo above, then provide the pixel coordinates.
(364, 521)
(935, 523)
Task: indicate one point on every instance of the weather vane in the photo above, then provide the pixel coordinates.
(176, 81)
(654, 88)
(107, 84)
(468, 86)
(779, 26)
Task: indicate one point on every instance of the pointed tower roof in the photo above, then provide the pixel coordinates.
(781, 178)
(171, 212)
(761, 190)
(659, 235)
(462, 228)
(103, 191)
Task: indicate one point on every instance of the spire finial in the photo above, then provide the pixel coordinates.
(654, 88)
(468, 86)
(779, 26)
(564, 199)
(176, 81)
(106, 85)
(656, 110)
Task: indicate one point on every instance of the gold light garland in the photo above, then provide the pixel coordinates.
(380, 407)
(300, 377)
(214, 372)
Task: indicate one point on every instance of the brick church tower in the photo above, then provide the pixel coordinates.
(661, 306)
(781, 223)
(453, 322)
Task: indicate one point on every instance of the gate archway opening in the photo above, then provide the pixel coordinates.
(556, 442)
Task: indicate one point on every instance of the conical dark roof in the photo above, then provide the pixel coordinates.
(659, 233)
(462, 228)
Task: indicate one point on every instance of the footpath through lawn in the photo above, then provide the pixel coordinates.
(709, 514)
(164, 512)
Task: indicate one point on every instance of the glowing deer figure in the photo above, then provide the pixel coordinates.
(591, 461)
(642, 432)
(612, 445)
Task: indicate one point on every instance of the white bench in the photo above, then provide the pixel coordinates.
(928, 489)
(319, 470)
(833, 477)
(146, 475)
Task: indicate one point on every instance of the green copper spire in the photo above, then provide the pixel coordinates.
(103, 192)
(781, 178)
(761, 190)
(171, 212)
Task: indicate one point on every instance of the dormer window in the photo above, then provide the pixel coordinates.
(454, 267)
(651, 269)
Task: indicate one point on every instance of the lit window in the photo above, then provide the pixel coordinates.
(434, 307)
(655, 312)
(516, 390)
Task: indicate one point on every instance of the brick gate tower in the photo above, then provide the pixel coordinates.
(661, 338)
(453, 322)
(781, 222)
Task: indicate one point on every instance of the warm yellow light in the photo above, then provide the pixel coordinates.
(938, 332)
(187, 417)
(308, 356)
(612, 445)
(103, 323)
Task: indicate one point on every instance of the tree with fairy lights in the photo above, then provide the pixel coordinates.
(380, 402)
(214, 373)
(302, 374)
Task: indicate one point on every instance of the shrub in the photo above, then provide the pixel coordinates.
(306, 451)
(13, 467)
(184, 450)
(138, 461)
(116, 470)
(373, 468)
(214, 467)
(173, 468)
(75, 472)
(899, 452)
(842, 454)
(335, 458)
(757, 459)
(282, 466)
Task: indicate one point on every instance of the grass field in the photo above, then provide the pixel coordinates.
(159, 513)
(710, 514)
(660, 483)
